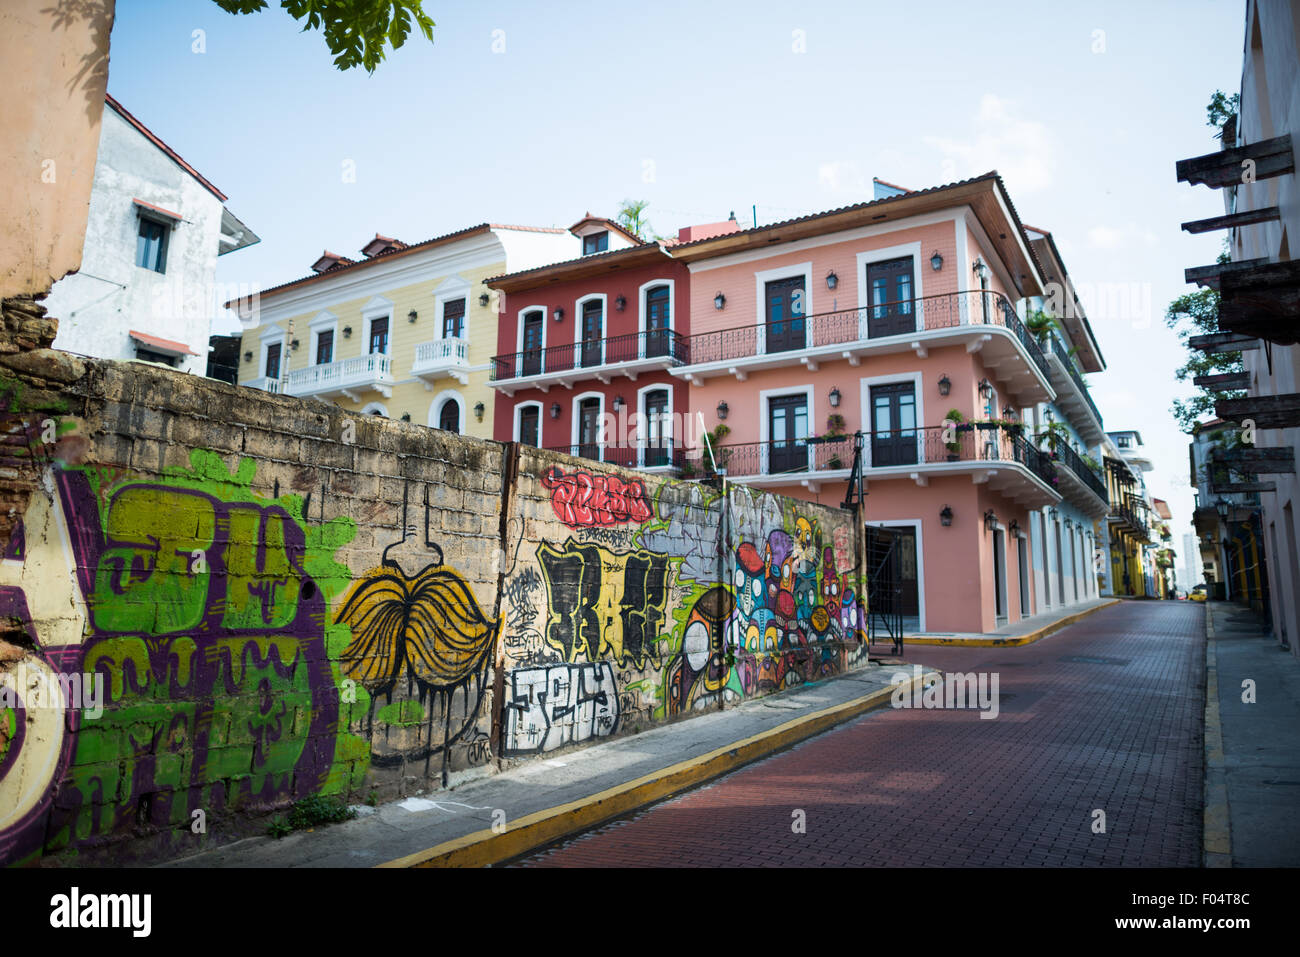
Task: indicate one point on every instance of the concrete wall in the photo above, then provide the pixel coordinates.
(99, 306)
(56, 64)
(281, 598)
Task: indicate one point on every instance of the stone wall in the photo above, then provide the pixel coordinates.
(246, 599)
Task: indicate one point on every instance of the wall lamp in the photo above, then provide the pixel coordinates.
(719, 301)
(945, 385)
(832, 280)
(986, 388)
(981, 270)
(555, 410)
(294, 345)
(347, 332)
(558, 314)
(990, 519)
(723, 409)
(620, 303)
(248, 357)
(406, 417)
(412, 316)
(479, 409)
(834, 398)
(945, 516)
(484, 299)
(936, 261)
(1015, 528)
(618, 403)
(1010, 414)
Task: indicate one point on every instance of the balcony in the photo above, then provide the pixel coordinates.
(1130, 514)
(266, 384)
(1079, 483)
(1001, 458)
(1072, 393)
(981, 321)
(442, 358)
(349, 378)
(644, 456)
(627, 355)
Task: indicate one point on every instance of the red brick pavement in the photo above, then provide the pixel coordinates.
(946, 788)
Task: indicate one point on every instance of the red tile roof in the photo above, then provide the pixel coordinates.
(153, 138)
(166, 345)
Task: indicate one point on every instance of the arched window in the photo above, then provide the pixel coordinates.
(449, 417)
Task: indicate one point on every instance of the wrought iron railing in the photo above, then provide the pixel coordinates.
(943, 311)
(591, 354)
(1079, 467)
(1055, 345)
(645, 456)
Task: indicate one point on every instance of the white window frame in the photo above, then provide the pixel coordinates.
(762, 278)
(374, 408)
(918, 525)
(377, 308)
(268, 338)
(541, 413)
(643, 313)
(441, 399)
(764, 398)
(519, 335)
(643, 424)
(577, 325)
(573, 422)
(864, 410)
(868, 256)
(325, 321)
(450, 289)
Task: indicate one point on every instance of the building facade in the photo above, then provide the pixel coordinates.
(404, 331)
(146, 287)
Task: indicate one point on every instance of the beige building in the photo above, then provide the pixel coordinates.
(404, 330)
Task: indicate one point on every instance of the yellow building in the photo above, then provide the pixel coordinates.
(406, 330)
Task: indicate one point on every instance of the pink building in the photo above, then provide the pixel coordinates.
(891, 317)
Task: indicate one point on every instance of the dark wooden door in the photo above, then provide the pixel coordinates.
(379, 337)
(325, 348)
(532, 352)
(530, 426)
(786, 316)
(589, 429)
(890, 300)
(273, 361)
(893, 424)
(788, 430)
(592, 325)
(657, 338)
(453, 319)
(449, 417)
(657, 440)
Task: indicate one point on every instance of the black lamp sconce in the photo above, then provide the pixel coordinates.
(936, 261)
(620, 303)
(248, 357)
(981, 270)
(945, 385)
(723, 409)
(484, 299)
(990, 519)
(412, 316)
(1015, 528)
(479, 409)
(986, 389)
(347, 332)
(945, 516)
(618, 403)
(555, 410)
(719, 301)
(294, 345)
(832, 280)
(834, 398)
(406, 417)
(558, 314)
(1010, 414)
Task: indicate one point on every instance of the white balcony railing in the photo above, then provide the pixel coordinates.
(266, 384)
(442, 357)
(345, 377)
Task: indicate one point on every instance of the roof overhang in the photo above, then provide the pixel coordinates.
(234, 234)
(587, 267)
(159, 344)
(1074, 320)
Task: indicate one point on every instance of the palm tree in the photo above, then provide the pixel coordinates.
(631, 216)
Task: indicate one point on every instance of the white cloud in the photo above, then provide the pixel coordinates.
(841, 175)
(1118, 237)
(1021, 149)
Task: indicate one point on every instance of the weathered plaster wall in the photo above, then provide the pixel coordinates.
(282, 599)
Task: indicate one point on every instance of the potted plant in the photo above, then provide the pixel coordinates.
(958, 420)
(1055, 434)
(1040, 325)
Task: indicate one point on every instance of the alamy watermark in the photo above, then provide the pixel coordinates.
(954, 691)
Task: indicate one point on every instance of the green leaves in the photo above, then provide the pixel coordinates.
(357, 32)
(1194, 314)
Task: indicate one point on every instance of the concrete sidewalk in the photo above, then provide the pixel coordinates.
(547, 799)
(1252, 749)
(1022, 632)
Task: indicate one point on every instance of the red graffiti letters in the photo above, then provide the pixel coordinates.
(582, 500)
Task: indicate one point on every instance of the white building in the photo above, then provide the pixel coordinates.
(146, 287)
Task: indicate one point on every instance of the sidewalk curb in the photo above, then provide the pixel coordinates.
(486, 847)
(1013, 641)
(1216, 823)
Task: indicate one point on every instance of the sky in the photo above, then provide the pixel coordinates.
(535, 114)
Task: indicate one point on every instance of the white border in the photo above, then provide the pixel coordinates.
(916, 524)
(869, 256)
(573, 423)
(377, 308)
(577, 327)
(439, 400)
(864, 410)
(541, 417)
(761, 279)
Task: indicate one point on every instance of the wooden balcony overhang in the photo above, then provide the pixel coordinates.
(1271, 461)
(1223, 342)
(1223, 381)
(1210, 275)
(1262, 301)
(1248, 217)
(1266, 411)
(1225, 168)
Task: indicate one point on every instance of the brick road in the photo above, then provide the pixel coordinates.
(1119, 728)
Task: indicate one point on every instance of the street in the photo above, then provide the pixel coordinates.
(1104, 716)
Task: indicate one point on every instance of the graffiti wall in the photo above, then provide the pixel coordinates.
(215, 602)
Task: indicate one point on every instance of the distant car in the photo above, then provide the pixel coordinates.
(1197, 594)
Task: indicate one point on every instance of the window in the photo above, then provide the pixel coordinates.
(785, 314)
(533, 330)
(325, 347)
(893, 424)
(658, 429)
(151, 244)
(589, 428)
(379, 336)
(890, 298)
(148, 355)
(453, 319)
(657, 322)
(595, 243)
(592, 325)
(273, 361)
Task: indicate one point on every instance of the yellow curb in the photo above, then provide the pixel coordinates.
(1216, 833)
(486, 847)
(1013, 641)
